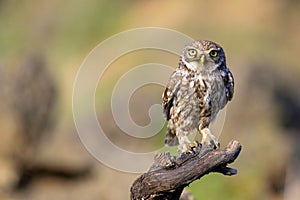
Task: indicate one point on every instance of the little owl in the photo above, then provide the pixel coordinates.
(197, 90)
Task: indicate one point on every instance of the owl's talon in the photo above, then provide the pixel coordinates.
(194, 144)
(208, 139)
(191, 148)
(187, 148)
(214, 144)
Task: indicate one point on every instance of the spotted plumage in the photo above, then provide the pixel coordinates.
(197, 90)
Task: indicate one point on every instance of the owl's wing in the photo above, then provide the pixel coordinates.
(229, 83)
(168, 100)
(170, 93)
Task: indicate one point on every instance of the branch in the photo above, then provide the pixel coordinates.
(169, 175)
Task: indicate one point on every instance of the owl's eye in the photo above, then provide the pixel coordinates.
(192, 52)
(213, 53)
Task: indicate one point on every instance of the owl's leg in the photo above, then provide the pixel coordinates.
(184, 144)
(209, 139)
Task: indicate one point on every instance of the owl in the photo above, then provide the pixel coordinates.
(197, 90)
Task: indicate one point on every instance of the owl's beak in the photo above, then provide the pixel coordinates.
(202, 59)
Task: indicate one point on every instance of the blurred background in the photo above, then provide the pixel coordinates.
(43, 43)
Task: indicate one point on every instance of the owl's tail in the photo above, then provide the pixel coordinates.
(171, 138)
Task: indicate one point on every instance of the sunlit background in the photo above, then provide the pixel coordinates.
(43, 43)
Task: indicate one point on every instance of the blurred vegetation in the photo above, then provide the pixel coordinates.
(261, 39)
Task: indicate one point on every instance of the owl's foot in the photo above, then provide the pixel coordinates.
(194, 144)
(189, 148)
(184, 145)
(208, 139)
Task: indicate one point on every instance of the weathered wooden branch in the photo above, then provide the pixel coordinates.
(168, 176)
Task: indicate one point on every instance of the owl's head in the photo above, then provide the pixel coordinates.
(203, 56)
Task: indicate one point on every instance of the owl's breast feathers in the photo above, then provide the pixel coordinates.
(207, 89)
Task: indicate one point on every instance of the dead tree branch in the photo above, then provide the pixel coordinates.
(168, 176)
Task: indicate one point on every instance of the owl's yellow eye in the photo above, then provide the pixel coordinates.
(213, 53)
(192, 52)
